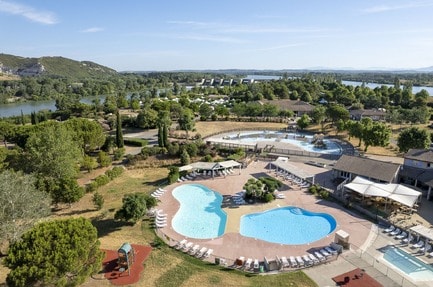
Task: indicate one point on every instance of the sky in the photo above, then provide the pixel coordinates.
(163, 35)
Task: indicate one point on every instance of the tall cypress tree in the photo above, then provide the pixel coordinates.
(119, 133)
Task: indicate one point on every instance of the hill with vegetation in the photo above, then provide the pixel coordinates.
(53, 66)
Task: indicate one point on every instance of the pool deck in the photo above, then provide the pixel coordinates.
(232, 245)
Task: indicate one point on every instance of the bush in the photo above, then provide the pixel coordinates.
(324, 194)
(173, 174)
(208, 158)
(98, 201)
(102, 180)
(135, 142)
(114, 172)
(91, 187)
(104, 159)
(118, 153)
(268, 197)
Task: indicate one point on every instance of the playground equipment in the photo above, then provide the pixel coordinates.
(125, 257)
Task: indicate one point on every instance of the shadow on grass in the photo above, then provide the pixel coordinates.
(107, 226)
(77, 212)
(157, 183)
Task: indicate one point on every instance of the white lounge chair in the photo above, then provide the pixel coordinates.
(161, 189)
(285, 262)
(160, 225)
(419, 244)
(402, 235)
(425, 248)
(280, 196)
(325, 253)
(247, 264)
(331, 250)
(256, 264)
(201, 252)
(307, 260)
(300, 261)
(389, 229)
(313, 258)
(181, 244)
(155, 195)
(293, 262)
(408, 239)
(187, 246)
(179, 180)
(319, 256)
(183, 178)
(208, 253)
(395, 232)
(194, 250)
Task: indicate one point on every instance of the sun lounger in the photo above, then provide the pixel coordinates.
(313, 258)
(402, 235)
(256, 264)
(300, 261)
(179, 180)
(331, 250)
(208, 253)
(419, 244)
(293, 262)
(325, 253)
(408, 239)
(425, 248)
(181, 244)
(201, 252)
(183, 178)
(285, 262)
(395, 232)
(319, 256)
(187, 246)
(155, 195)
(160, 225)
(247, 264)
(280, 196)
(161, 189)
(194, 250)
(307, 260)
(389, 229)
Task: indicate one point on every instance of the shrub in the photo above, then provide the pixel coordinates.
(135, 142)
(114, 172)
(104, 159)
(324, 193)
(173, 174)
(98, 201)
(268, 197)
(118, 153)
(91, 187)
(207, 158)
(102, 180)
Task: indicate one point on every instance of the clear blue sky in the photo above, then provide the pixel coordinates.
(190, 34)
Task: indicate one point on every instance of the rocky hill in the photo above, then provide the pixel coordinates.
(52, 66)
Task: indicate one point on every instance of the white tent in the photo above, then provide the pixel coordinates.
(396, 192)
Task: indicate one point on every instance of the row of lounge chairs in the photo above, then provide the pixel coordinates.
(193, 249)
(408, 239)
(160, 218)
(292, 178)
(187, 177)
(306, 260)
(158, 193)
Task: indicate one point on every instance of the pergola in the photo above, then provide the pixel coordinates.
(212, 166)
(395, 192)
(282, 163)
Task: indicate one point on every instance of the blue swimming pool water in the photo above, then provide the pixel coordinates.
(287, 225)
(412, 266)
(200, 215)
(299, 140)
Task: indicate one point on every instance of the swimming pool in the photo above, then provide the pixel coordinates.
(301, 141)
(410, 265)
(287, 225)
(200, 215)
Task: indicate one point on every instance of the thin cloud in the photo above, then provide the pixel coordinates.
(387, 8)
(208, 38)
(280, 47)
(28, 12)
(92, 30)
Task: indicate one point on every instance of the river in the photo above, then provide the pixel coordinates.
(415, 89)
(15, 109)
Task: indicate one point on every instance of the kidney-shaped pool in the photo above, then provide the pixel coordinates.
(287, 225)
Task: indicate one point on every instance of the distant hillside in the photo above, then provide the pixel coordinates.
(52, 66)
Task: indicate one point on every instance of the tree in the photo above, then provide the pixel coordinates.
(184, 157)
(163, 124)
(89, 163)
(319, 116)
(134, 207)
(21, 204)
(119, 133)
(55, 253)
(186, 121)
(413, 138)
(104, 159)
(52, 152)
(336, 112)
(89, 134)
(147, 119)
(303, 122)
(173, 174)
(377, 134)
(98, 200)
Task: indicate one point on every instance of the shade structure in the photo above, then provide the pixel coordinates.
(396, 192)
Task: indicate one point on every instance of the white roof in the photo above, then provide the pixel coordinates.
(396, 192)
(282, 163)
(423, 231)
(210, 165)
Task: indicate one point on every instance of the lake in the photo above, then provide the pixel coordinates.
(415, 89)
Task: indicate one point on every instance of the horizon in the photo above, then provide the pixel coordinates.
(192, 35)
